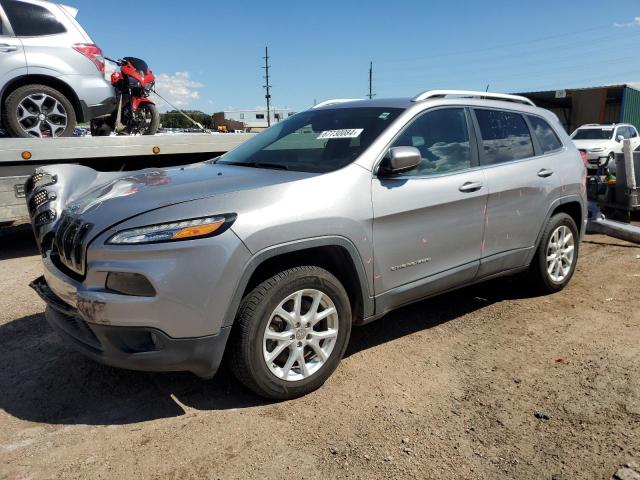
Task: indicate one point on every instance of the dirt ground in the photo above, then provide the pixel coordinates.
(487, 382)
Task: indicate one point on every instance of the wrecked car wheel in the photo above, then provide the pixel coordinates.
(291, 332)
(557, 254)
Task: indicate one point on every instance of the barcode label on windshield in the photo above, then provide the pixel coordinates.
(344, 133)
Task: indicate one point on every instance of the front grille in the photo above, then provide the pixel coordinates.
(69, 243)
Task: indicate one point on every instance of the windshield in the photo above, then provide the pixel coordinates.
(593, 134)
(140, 65)
(316, 141)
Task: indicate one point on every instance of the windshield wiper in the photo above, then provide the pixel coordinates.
(273, 166)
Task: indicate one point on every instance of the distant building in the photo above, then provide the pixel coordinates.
(574, 107)
(254, 120)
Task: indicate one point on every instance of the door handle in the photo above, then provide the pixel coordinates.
(468, 187)
(545, 172)
(7, 48)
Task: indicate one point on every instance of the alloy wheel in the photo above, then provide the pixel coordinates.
(560, 253)
(300, 335)
(41, 115)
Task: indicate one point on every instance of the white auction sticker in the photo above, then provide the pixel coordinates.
(344, 133)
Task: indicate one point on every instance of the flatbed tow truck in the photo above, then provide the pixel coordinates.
(19, 157)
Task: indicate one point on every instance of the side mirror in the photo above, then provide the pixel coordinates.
(619, 138)
(400, 160)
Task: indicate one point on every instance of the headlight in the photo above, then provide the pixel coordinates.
(174, 231)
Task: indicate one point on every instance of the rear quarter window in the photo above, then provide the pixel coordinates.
(547, 137)
(30, 20)
(505, 136)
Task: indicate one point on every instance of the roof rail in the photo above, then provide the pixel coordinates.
(426, 95)
(334, 101)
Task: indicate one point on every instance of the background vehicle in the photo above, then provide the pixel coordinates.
(135, 113)
(601, 142)
(51, 72)
(330, 218)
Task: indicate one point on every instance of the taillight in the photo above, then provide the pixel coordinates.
(92, 52)
(583, 154)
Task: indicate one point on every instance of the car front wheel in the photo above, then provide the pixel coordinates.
(291, 333)
(37, 111)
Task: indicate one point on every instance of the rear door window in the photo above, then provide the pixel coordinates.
(546, 136)
(505, 136)
(30, 20)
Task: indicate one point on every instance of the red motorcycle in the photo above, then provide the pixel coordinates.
(136, 113)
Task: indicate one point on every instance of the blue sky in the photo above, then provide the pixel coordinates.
(209, 53)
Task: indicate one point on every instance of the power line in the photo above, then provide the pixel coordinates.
(267, 85)
(580, 49)
(502, 45)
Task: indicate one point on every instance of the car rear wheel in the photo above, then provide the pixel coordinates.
(37, 111)
(291, 333)
(557, 254)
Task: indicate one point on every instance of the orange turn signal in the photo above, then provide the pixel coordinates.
(198, 231)
(156, 150)
(26, 155)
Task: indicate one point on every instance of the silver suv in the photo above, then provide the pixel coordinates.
(329, 219)
(51, 72)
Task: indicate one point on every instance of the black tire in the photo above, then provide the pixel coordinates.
(100, 128)
(152, 128)
(14, 99)
(246, 344)
(538, 274)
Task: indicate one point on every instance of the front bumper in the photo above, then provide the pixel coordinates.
(596, 159)
(134, 348)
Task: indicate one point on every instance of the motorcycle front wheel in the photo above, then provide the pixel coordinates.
(151, 118)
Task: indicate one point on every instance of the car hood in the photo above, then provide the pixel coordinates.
(134, 193)
(589, 144)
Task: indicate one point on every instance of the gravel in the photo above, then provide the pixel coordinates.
(446, 388)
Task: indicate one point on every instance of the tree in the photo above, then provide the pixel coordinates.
(174, 119)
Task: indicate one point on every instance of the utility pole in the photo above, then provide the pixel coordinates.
(267, 86)
(371, 95)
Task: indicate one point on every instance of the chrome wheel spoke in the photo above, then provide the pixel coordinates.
(275, 353)
(322, 315)
(26, 114)
(330, 333)
(279, 336)
(35, 130)
(293, 357)
(38, 100)
(319, 351)
(302, 364)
